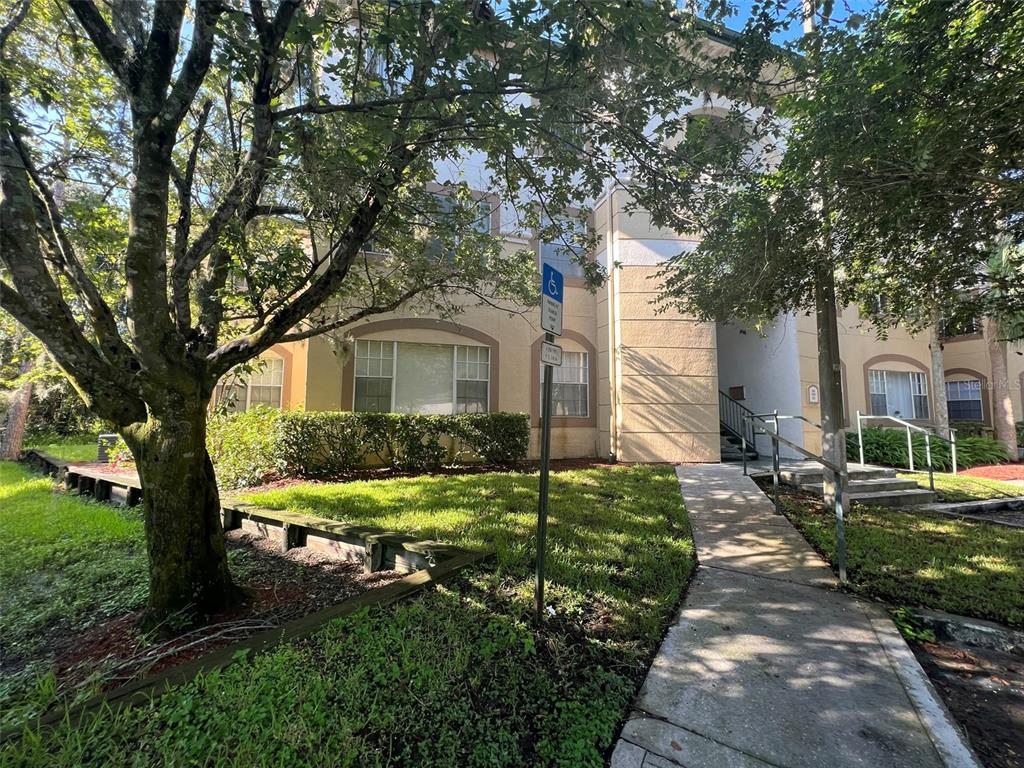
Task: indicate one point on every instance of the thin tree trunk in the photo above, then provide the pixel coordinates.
(940, 408)
(830, 379)
(1002, 402)
(17, 418)
(188, 569)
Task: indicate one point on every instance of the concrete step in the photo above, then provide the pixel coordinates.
(816, 475)
(869, 485)
(907, 498)
(737, 455)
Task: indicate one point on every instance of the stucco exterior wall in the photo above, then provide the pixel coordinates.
(665, 384)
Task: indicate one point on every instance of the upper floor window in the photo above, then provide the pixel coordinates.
(565, 249)
(960, 326)
(898, 393)
(963, 399)
(407, 377)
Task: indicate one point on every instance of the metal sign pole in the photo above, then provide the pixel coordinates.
(545, 463)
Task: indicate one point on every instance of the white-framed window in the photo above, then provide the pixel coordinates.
(410, 377)
(570, 391)
(963, 399)
(472, 379)
(898, 393)
(562, 252)
(375, 369)
(264, 386)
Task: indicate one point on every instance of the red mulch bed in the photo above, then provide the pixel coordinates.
(1013, 471)
(281, 587)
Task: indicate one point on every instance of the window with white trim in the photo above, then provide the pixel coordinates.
(963, 399)
(901, 394)
(375, 367)
(409, 377)
(570, 391)
(264, 386)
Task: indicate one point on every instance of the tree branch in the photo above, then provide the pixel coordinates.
(197, 62)
(179, 287)
(106, 42)
(16, 18)
(248, 182)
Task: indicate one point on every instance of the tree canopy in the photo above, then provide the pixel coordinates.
(186, 184)
(893, 157)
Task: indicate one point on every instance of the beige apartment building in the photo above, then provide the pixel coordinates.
(636, 383)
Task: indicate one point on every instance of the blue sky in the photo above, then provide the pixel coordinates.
(841, 10)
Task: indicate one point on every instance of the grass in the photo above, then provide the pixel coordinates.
(920, 559)
(65, 564)
(954, 488)
(73, 448)
(456, 676)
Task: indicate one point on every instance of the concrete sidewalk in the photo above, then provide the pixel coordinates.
(768, 665)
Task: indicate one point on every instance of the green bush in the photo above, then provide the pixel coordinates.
(888, 447)
(261, 444)
(245, 447)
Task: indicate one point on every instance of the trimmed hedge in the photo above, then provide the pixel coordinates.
(888, 447)
(260, 444)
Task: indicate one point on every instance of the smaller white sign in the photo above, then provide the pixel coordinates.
(812, 394)
(550, 354)
(551, 315)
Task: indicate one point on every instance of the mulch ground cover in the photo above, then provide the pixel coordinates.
(984, 691)
(1013, 471)
(279, 586)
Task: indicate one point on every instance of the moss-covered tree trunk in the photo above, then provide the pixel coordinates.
(188, 569)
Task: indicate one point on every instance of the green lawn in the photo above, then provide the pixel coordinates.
(456, 676)
(65, 564)
(920, 559)
(965, 487)
(74, 448)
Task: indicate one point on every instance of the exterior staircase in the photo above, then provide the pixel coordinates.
(732, 447)
(734, 424)
(878, 486)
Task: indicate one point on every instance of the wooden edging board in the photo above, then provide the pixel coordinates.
(148, 688)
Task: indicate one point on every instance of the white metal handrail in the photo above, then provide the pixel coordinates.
(910, 429)
(841, 472)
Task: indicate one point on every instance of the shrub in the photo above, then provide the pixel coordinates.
(888, 447)
(261, 444)
(245, 446)
(497, 438)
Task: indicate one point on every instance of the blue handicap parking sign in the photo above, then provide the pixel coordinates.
(551, 280)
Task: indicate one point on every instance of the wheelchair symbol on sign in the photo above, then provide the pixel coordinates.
(552, 287)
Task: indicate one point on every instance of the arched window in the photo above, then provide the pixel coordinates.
(894, 388)
(421, 365)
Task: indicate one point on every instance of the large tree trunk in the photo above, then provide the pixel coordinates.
(1002, 401)
(188, 569)
(940, 408)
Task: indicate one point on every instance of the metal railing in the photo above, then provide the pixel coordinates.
(842, 477)
(732, 415)
(910, 429)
